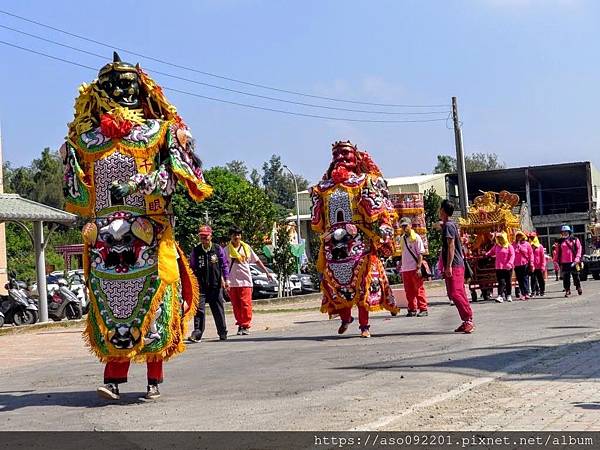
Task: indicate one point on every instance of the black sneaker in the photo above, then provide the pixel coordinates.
(195, 338)
(423, 314)
(109, 391)
(239, 332)
(152, 393)
(223, 337)
(411, 314)
(579, 291)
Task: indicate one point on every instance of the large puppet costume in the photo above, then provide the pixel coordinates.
(125, 152)
(354, 216)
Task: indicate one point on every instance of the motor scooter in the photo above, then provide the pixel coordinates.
(63, 303)
(17, 307)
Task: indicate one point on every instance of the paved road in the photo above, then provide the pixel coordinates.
(295, 373)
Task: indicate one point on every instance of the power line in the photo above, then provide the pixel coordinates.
(311, 105)
(191, 69)
(228, 101)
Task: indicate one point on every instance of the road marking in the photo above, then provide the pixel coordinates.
(469, 385)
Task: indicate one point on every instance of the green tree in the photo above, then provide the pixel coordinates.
(445, 164)
(235, 202)
(280, 185)
(432, 202)
(238, 168)
(255, 178)
(476, 162)
(20, 254)
(41, 182)
(284, 261)
(18, 180)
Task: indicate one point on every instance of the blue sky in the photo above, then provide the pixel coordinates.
(526, 73)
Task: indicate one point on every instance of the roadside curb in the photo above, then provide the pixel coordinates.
(11, 329)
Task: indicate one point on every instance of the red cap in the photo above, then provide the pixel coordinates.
(205, 230)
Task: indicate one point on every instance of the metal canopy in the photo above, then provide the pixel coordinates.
(14, 208)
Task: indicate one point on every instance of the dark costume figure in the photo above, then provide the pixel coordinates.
(125, 152)
(352, 212)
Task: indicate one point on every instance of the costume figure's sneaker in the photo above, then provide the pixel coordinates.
(343, 328)
(499, 299)
(465, 327)
(109, 391)
(152, 393)
(365, 334)
(469, 328)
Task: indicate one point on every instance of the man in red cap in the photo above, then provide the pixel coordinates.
(208, 263)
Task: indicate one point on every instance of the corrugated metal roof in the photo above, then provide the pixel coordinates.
(15, 207)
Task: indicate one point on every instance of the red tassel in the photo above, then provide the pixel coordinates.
(114, 129)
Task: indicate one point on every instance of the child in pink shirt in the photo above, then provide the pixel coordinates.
(504, 255)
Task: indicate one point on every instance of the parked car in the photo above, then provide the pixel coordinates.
(262, 286)
(306, 284)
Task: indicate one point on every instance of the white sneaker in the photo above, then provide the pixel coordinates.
(509, 299)
(499, 299)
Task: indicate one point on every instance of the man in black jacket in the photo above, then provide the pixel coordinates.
(210, 267)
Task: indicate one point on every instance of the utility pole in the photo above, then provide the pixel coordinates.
(299, 240)
(460, 162)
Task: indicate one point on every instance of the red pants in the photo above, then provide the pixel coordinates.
(116, 372)
(415, 291)
(455, 286)
(363, 317)
(241, 302)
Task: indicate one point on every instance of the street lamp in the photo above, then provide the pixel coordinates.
(297, 211)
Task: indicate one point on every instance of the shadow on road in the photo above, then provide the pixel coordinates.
(335, 337)
(10, 401)
(497, 359)
(588, 405)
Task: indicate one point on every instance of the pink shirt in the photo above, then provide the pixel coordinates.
(539, 257)
(239, 273)
(569, 251)
(523, 253)
(505, 256)
(408, 262)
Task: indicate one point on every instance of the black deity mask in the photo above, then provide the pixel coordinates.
(120, 81)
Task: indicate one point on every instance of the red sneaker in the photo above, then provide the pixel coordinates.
(461, 328)
(469, 328)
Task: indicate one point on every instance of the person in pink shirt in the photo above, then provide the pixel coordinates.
(523, 264)
(538, 283)
(568, 256)
(239, 256)
(504, 254)
(413, 249)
